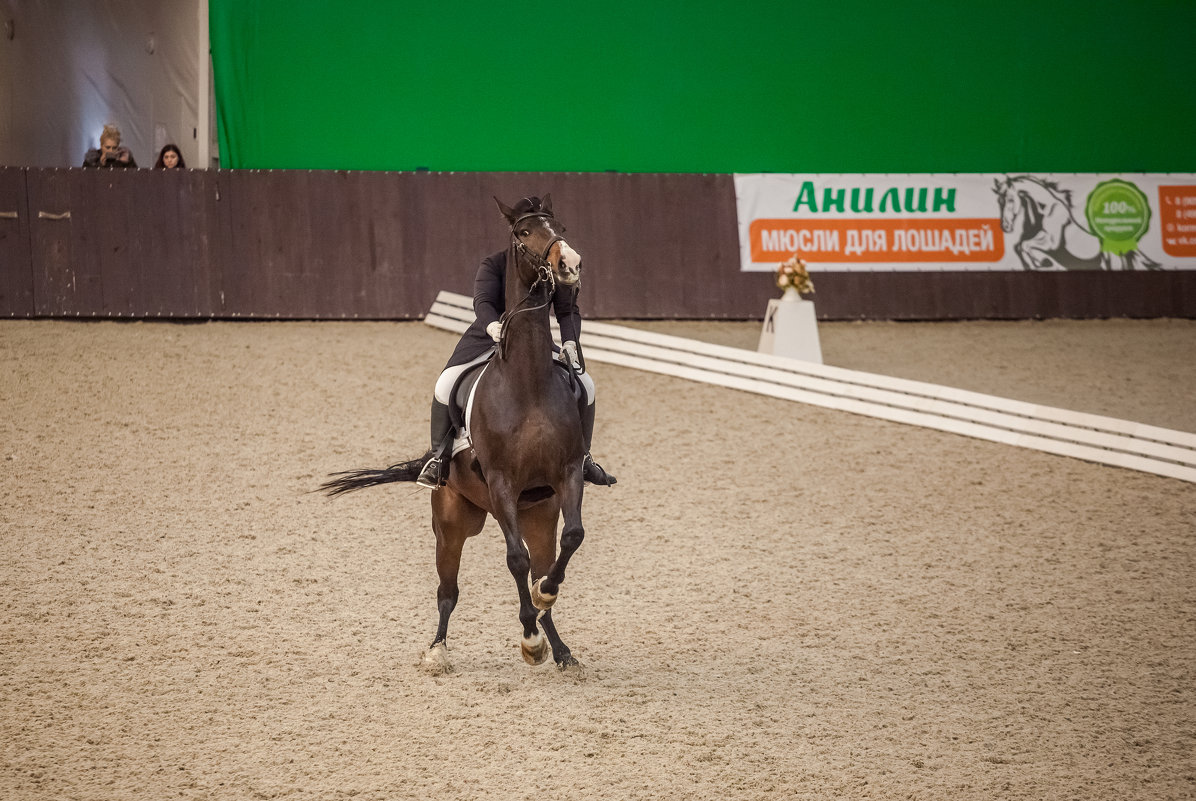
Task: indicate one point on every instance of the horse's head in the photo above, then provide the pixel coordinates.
(539, 238)
(1010, 202)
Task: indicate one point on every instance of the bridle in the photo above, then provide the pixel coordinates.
(544, 273)
(538, 260)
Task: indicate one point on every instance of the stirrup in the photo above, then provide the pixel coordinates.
(430, 476)
(592, 472)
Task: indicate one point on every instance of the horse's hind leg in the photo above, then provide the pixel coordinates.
(560, 652)
(454, 520)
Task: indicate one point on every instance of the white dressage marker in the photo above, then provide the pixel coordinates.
(1091, 437)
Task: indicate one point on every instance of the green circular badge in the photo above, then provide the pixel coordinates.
(1119, 213)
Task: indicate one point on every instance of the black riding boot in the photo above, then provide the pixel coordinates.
(435, 472)
(592, 472)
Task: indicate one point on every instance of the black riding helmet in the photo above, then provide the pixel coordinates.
(527, 205)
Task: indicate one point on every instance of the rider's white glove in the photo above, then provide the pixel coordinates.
(569, 353)
(495, 331)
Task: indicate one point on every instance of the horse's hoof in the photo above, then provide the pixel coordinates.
(435, 660)
(571, 666)
(540, 600)
(534, 649)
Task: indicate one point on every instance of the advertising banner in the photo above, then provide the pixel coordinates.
(968, 221)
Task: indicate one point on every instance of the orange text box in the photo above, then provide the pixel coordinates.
(888, 240)
(1177, 220)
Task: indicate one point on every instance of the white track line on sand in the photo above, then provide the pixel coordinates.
(1106, 440)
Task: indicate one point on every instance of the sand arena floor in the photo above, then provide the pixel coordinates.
(776, 601)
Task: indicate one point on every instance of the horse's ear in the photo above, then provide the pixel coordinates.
(506, 210)
(546, 204)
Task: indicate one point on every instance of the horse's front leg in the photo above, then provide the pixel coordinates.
(533, 645)
(1026, 259)
(1036, 254)
(1037, 250)
(572, 535)
(539, 530)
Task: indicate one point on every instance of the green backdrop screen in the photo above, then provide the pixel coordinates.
(701, 86)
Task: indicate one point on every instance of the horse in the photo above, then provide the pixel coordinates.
(1051, 238)
(525, 464)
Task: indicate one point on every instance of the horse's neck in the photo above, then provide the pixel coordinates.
(527, 338)
(529, 331)
(1030, 212)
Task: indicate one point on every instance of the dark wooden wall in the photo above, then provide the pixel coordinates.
(374, 245)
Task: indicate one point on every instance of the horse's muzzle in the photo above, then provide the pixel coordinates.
(567, 265)
(568, 276)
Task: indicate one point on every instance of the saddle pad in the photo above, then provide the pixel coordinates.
(463, 439)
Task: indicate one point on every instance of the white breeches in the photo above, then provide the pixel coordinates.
(444, 384)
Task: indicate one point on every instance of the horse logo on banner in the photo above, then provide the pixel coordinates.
(1048, 236)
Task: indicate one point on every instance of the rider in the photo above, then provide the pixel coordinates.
(476, 345)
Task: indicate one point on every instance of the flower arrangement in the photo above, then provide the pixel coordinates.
(794, 275)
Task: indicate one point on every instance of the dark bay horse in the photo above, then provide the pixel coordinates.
(525, 464)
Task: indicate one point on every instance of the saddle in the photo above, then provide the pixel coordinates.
(461, 399)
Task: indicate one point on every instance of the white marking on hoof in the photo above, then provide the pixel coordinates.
(534, 649)
(540, 600)
(435, 660)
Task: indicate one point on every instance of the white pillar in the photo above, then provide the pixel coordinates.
(791, 330)
(203, 126)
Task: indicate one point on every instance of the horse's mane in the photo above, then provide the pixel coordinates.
(1050, 186)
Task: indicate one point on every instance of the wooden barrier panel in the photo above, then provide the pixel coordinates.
(16, 261)
(379, 245)
(117, 243)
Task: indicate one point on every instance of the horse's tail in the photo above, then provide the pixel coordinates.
(350, 480)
